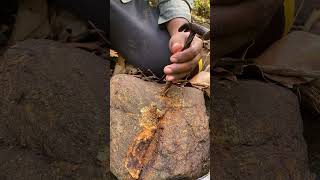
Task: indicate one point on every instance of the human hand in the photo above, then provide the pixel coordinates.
(183, 62)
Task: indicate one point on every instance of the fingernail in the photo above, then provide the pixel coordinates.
(170, 78)
(173, 59)
(168, 70)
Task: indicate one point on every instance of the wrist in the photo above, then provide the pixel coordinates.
(174, 24)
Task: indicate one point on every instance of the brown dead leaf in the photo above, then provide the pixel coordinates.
(202, 81)
(113, 53)
(120, 67)
(131, 70)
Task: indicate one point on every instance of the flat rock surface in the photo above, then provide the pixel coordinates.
(257, 133)
(175, 129)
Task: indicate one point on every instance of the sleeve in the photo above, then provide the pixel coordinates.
(170, 9)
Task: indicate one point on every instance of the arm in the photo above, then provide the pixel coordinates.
(170, 9)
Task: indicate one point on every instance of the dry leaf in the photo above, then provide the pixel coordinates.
(131, 70)
(202, 81)
(113, 53)
(120, 67)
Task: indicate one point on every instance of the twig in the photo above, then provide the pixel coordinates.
(283, 71)
(166, 88)
(231, 61)
(298, 10)
(99, 32)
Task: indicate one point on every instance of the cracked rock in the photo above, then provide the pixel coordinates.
(155, 137)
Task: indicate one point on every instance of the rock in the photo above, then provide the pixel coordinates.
(257, 133)
(21, 164)
(32, 21)
(288, 53)
(66, 26)
(169, 135)
(311, 126)
(52, 104)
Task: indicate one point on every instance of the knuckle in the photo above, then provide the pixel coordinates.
(193, 50)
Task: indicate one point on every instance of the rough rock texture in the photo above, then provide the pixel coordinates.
(52, 105)
(257, 133)
(169, 135)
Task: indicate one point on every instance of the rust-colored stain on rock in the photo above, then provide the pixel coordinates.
(165, 137)
(137, 152)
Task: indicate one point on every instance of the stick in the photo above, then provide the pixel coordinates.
(283, 71)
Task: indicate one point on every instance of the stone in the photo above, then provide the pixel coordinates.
(52, 105)
(155, 137)
(257, 133)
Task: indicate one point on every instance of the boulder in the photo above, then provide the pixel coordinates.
(52, 103)
(155, 137)
(257, 133)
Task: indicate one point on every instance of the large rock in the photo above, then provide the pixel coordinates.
(22, 164)
(52, 104)
(257, 133)
(155, 137)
